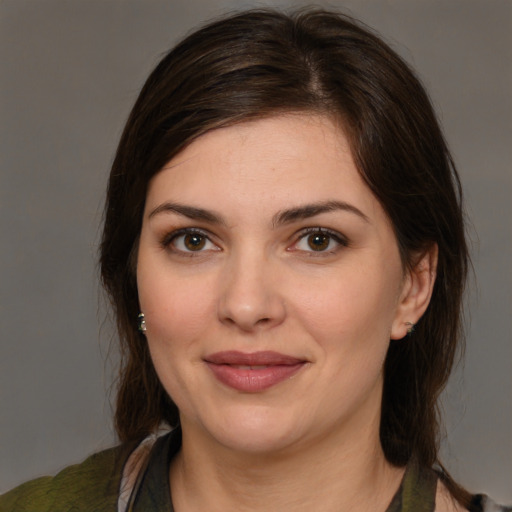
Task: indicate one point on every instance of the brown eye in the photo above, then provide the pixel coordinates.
(318, 241)
(189, 242)
(194, 241)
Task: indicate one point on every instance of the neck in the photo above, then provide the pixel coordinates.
(327, 474)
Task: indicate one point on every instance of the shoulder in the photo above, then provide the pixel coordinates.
(91, 485)
(479, 503)
(482, 503)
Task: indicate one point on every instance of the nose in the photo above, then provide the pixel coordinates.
(250, 298)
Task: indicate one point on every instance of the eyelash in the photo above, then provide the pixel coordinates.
(170, 238)
(333, 236)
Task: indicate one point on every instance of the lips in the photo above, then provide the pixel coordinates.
(253, 372)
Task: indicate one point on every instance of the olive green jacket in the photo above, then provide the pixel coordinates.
(90, 486)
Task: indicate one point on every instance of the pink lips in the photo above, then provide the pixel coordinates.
(252, 372)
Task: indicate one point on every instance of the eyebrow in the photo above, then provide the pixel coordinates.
(190, 212)
(281, 218)
(310, 210)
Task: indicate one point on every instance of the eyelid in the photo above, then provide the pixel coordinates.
(338, 237)
(167, 240)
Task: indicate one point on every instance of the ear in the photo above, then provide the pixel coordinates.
(417, 287)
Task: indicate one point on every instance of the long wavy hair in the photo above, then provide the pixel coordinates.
(261, 63)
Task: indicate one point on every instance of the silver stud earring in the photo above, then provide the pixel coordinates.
(410, 328)
(142, 323)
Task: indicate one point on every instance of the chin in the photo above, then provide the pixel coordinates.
(256, 441)
(259, 431)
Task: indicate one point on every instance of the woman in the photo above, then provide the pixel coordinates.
(284, 249)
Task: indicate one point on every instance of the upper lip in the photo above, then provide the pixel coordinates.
(264, 358)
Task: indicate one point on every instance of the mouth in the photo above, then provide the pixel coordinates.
(253, 372)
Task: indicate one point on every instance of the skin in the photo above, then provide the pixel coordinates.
(254, 282)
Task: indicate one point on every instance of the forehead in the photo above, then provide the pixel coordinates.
(265, 165)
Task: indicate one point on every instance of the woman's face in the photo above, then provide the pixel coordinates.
(271, 284)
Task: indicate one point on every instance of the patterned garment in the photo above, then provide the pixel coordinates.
(96, 485)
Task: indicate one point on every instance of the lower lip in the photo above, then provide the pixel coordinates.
(252, 381)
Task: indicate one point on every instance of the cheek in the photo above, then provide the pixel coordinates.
(177, 310)
(178, 316)
(359, 303)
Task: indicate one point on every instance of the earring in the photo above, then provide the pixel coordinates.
(410, 328)
(142, 323)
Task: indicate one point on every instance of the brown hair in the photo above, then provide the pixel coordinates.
(261, 63)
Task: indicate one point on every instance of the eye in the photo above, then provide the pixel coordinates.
(319, 240)
(189, 241)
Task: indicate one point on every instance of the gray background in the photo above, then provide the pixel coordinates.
(70, 71)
